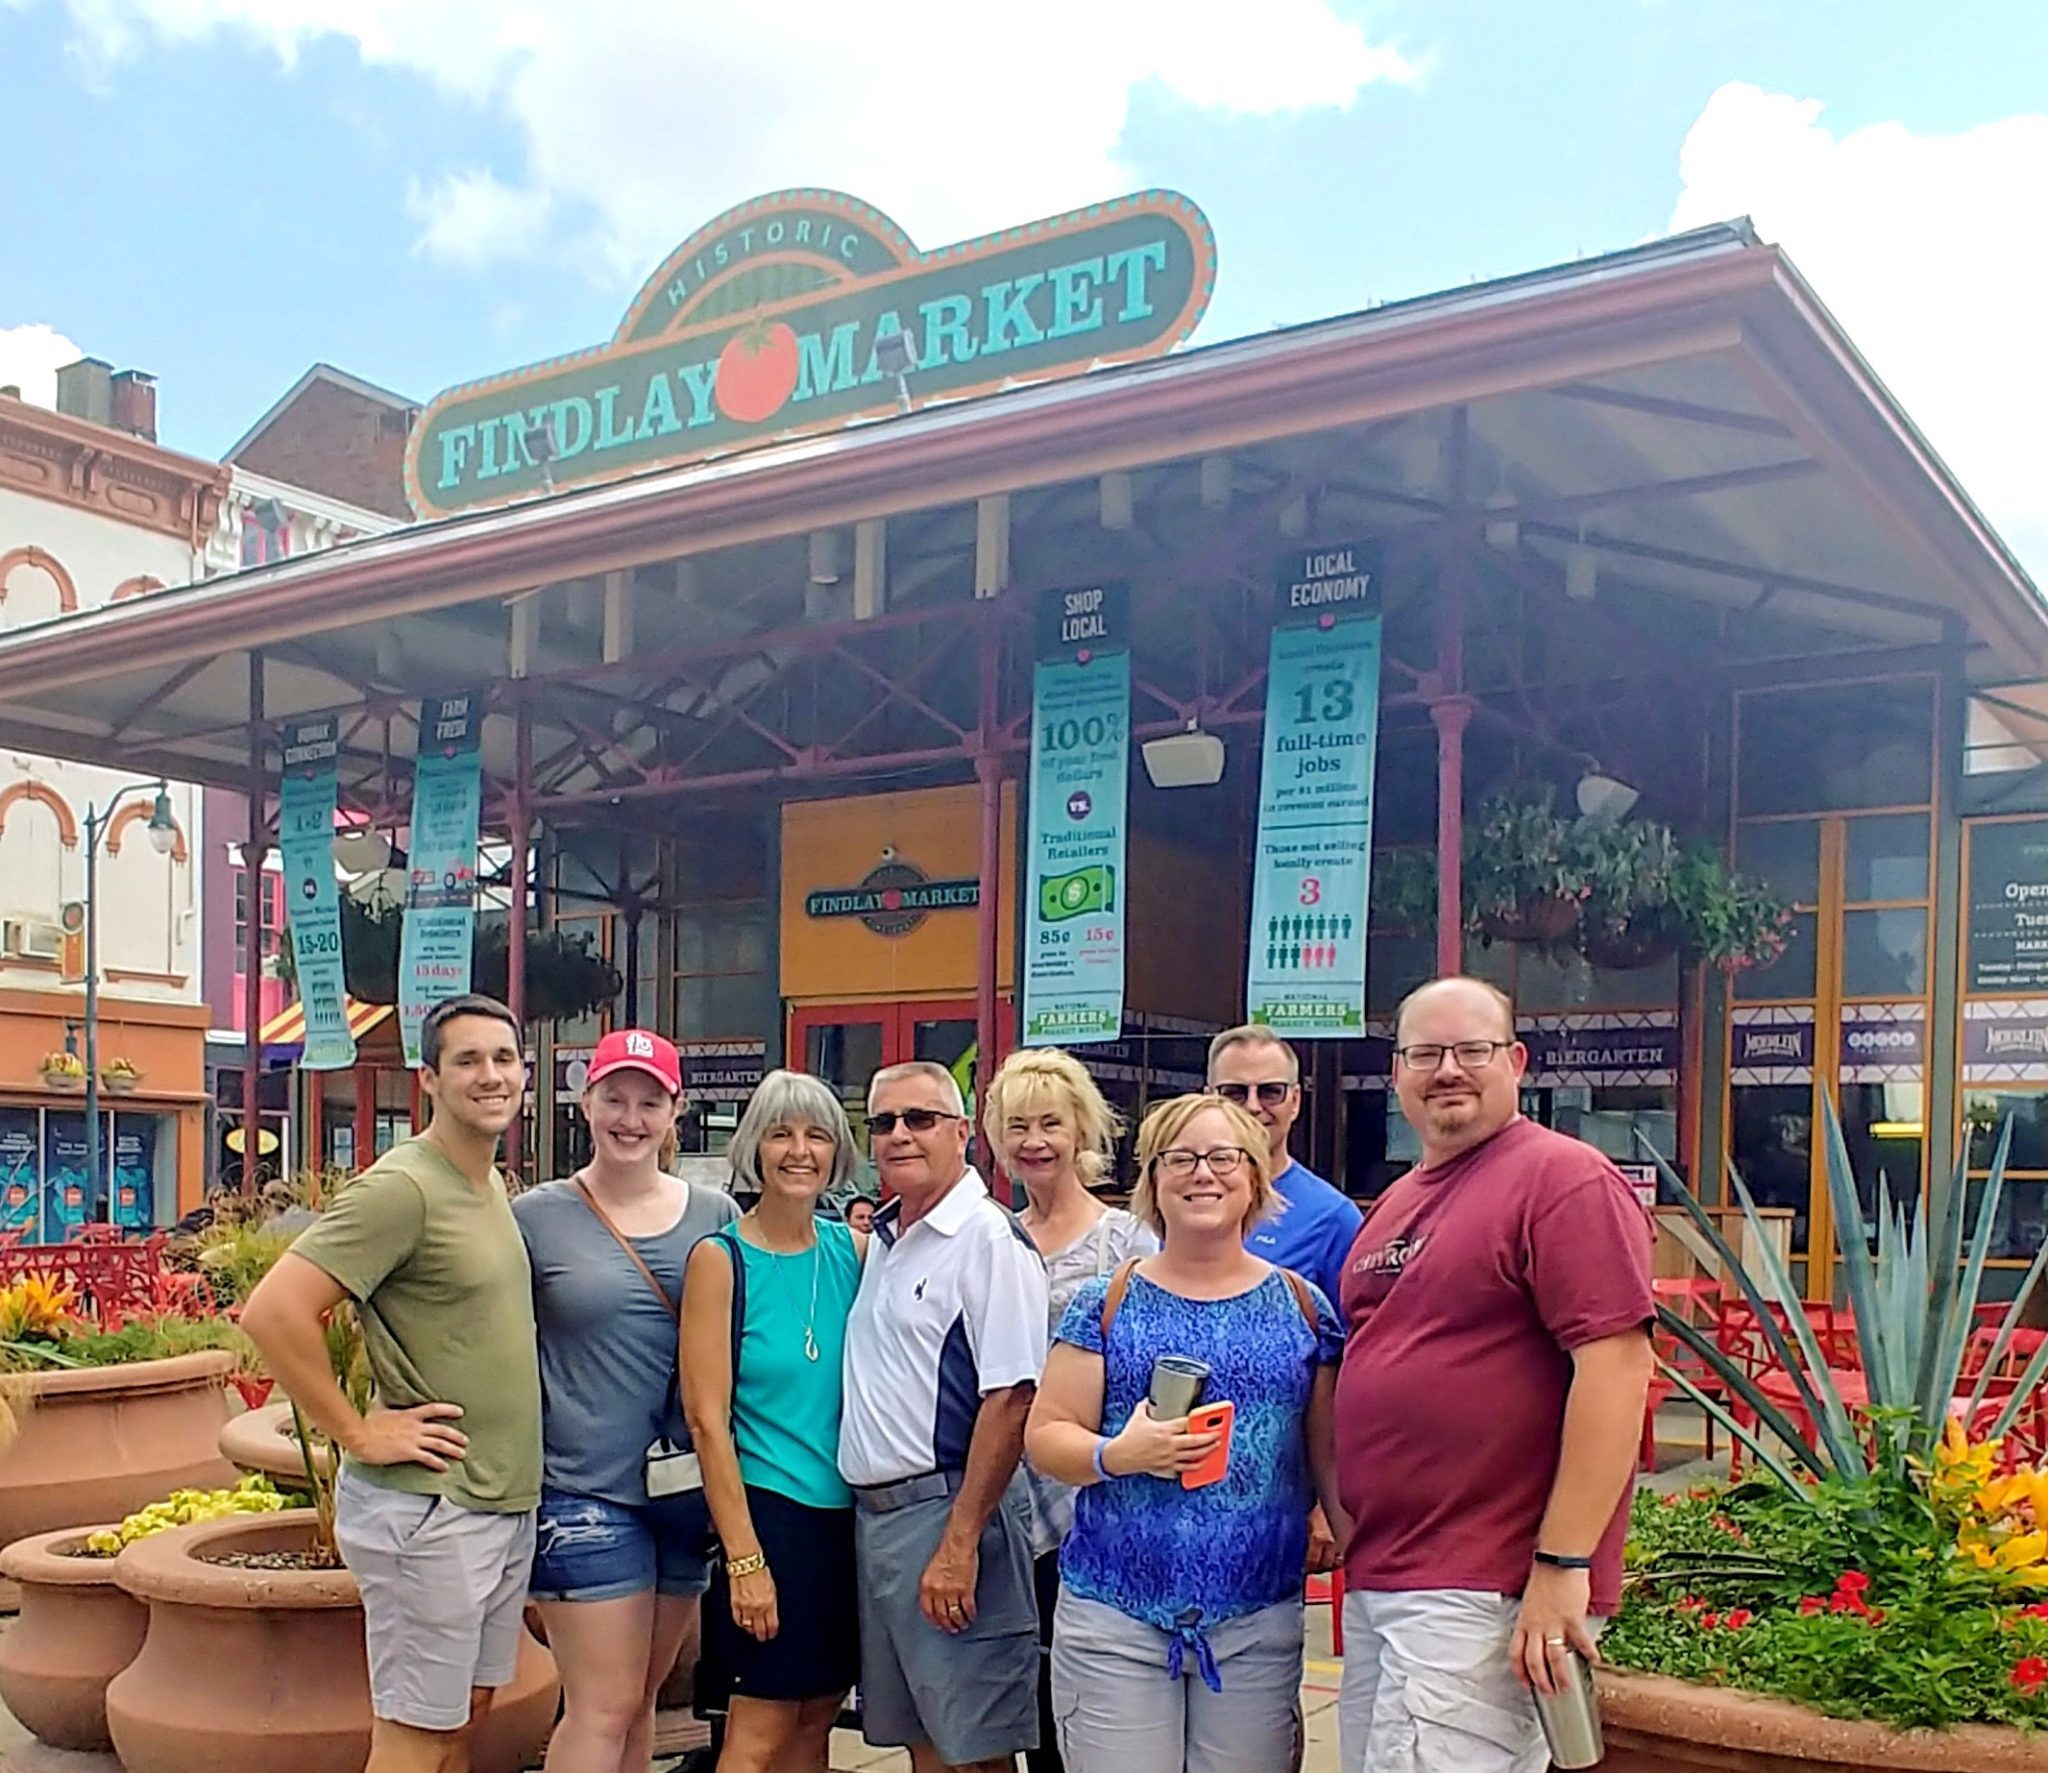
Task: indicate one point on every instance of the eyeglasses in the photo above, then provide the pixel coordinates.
(918, 1120)
(1271, 1094)
(1470, 1054)
(1223, 1161)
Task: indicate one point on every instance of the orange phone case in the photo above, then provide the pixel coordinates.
(1207, 1420)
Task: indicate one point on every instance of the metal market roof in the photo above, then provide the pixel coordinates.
(1687, 408)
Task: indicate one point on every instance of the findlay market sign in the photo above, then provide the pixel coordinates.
(765, 324)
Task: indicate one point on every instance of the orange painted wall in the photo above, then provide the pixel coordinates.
(166, 1041)
(835, 843)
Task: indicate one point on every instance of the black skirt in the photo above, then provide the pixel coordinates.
(815, 1653)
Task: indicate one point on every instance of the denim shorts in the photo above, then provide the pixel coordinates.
(594, 1550)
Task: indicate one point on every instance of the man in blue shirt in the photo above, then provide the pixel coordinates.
(1313, 1226)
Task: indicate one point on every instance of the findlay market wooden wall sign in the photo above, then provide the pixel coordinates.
(763, 325)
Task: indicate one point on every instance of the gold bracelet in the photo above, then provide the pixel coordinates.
(746, 1566)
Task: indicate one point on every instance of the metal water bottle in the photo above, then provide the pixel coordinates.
(1571, 1716)
(1178, 1381)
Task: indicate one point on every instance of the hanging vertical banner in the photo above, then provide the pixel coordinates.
(134, 1179)
(1306, 968)
(440, 891)
(21, 1173)
(1080, 762)
(69, 1196)
(305, 835)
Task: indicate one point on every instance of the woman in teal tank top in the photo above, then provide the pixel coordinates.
(765, 1306)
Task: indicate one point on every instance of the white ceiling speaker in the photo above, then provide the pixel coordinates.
(361, 849)
(1193, 759)
(1605, 797)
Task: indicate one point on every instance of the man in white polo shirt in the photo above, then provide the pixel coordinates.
(943, 1353)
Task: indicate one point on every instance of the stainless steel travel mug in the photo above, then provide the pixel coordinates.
(1178, 1381)
(1571, 1716)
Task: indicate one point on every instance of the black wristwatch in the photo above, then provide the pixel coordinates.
(1559, 1562)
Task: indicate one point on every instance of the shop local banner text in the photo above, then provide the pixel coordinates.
(313, 907)
(1311, 869)
(1080, 763)
(440, 893)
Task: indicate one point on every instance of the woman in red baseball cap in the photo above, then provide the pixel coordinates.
(625, 1536)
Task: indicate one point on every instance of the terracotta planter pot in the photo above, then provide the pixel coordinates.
(1656, 1725)
(1540, 920)
(247, 1671)
(262, 1440)
(102, 1442)
(78, 1629)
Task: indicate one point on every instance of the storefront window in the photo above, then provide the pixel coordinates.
(1771, 1145)
(45, 1186)
(1985, 1113)
(1884, 953)
(1792, 975)
(1884, 1129)
(1836, 748)
(1784, 854)
(1886, 859)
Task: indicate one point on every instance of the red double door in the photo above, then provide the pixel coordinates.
(847, 1043)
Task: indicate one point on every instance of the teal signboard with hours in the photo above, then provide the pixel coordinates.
(1306, 968)
(1080, 760)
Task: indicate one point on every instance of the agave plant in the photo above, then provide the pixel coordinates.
(1914, 1305)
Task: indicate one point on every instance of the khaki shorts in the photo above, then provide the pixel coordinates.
(443, 1590)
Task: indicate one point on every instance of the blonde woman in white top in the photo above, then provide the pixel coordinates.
(1056, 1136)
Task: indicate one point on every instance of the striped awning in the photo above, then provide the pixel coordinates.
(288, 1027)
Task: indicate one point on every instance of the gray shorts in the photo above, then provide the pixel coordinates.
(973, 1695)
(443, 1589)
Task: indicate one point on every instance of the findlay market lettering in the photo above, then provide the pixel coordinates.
(742, 356)
(666, 398)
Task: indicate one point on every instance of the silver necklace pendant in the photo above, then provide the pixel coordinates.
(810, 1344)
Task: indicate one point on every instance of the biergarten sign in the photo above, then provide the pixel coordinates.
(777, 320)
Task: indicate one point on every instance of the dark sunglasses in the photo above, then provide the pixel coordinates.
(1271, 1095)
(918, 1120)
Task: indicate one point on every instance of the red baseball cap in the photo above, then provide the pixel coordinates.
(635, 1049)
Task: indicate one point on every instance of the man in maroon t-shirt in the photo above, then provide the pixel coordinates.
(1489, 1407)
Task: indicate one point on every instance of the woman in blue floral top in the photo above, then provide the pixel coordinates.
(1177, 1644)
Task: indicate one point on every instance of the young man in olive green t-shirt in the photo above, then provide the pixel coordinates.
(435, 1508)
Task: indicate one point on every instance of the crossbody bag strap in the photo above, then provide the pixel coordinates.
(674, 1307)
(1113, 1299)
(736, 1255)
(1305, 1300)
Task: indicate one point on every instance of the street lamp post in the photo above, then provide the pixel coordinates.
(163, 836)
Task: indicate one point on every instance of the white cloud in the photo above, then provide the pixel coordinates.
(31, 356)
(474, 217)
(1931, 252)
(652, 115)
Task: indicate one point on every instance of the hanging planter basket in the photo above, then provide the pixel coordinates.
(1627, 949)
(1537, 920)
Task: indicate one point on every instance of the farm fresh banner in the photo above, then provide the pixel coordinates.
(1306, 969)
(1080, 763)
(312, 907)
(440, 892)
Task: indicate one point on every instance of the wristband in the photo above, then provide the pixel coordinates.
(1557, 1561)
(1102, 1471)
(746, 1566)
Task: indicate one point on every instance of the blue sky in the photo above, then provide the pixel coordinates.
(422, 191)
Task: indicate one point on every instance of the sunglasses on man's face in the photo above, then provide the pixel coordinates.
(918, 1120)
(1270, 1094)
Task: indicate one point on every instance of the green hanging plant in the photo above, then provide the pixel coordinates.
(563, 977)
(1525, 870)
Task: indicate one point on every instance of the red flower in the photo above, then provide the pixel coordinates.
(1812, 1604)
(1738, 1618)
(2039, 1610)
(1691, 1604)
(1709, 1620)
(2029, 1675)
(1852, 1582)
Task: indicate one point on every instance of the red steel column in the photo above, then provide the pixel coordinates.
(366, 1112)
(1451, 712)
(988, 774)
(253, 852)
(515, 922)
